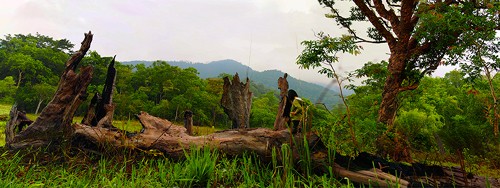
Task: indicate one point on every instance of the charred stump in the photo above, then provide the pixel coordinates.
(237, 101)
(101, 109)
(282, 117)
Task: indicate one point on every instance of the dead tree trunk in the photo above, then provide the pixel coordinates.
(101, 109)
(54, 123)
(188, 122)
(16, 123)
(282, 117)
(237, 101)
(106, 108)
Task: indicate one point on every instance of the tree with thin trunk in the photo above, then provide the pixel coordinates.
(419, 34)
(43, 92)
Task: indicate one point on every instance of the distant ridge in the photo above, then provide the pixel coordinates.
(267, 78)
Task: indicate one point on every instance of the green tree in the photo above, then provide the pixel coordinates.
(263, 112)
(33, 58)
(419, 35)
(7, 89)
(44, 93)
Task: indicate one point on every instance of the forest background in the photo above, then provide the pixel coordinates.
(444, 116)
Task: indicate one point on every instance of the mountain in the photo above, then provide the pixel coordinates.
(268, 78)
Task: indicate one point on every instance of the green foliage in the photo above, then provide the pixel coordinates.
(322, 53)
(201, 168)
(418, 128)
(7, 90)
(263, 112)
(460, 135)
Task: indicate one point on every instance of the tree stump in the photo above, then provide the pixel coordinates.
(237, 101)
(101, 109)
(282, 116)
(188, 122)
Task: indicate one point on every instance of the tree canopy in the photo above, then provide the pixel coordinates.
(419, 34)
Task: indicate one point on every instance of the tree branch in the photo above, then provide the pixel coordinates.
(410, 87)
(387, 14)
(375, 21)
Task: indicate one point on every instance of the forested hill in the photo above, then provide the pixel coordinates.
(268, 78)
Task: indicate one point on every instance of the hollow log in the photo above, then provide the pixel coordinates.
(282, 117)
(237, 101)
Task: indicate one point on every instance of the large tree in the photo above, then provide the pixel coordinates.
(419, 34)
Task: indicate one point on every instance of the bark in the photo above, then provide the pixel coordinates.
(38, 105)
(54, 123)
(90, 115)
(495, 101)
(188, 122)
(281, 117)
(237, 101)
(105, 107)
(16, 123)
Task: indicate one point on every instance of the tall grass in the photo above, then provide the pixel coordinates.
(200, 168)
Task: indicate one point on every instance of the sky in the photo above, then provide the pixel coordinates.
(262, 34)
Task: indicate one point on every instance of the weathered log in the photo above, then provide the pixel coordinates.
(282, 117)
(237, 101)
(54, 123)
(173, 140)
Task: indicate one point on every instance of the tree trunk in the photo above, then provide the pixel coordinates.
(38, 106)
(54, 123)
(281, 116)
(19, 77)
(392, 87)
(495, 101)
(237, 101)
(188, 122)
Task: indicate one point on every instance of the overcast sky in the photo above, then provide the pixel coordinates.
(263, 34)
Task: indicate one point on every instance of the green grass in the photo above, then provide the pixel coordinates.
(5, 109)
(201, 168)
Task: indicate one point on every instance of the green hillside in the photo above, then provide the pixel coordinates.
(267, 78)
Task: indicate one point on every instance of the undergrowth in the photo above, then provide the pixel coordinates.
(200, 168)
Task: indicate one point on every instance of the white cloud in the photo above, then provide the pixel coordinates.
(264, 34)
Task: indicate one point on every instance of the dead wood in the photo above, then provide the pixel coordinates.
(237, 101)
(54, 123)
(282, 117)
(188, 121)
